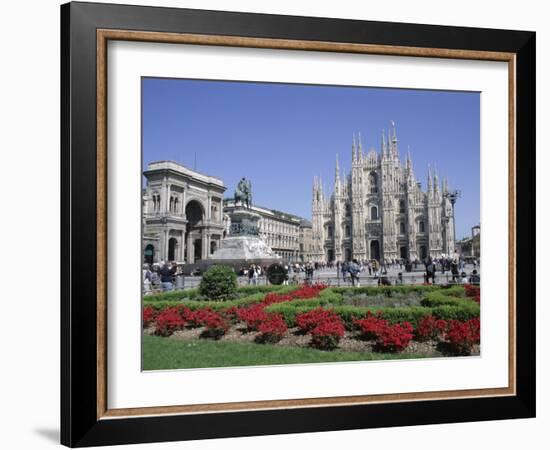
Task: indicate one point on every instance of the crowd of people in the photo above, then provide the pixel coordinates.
(168, 275)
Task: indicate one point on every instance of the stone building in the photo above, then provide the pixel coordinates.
(379, 211)
(305, 241)
(182, 213)
(279, 230)
(470, 246)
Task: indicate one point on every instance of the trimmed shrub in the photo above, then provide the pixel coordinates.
(309, 320)
(215, 324)
(186, 294)
(461, 336)
(327, 334)
(219, 283)
(464, 311)
(149, 314)
(168, 321)
(429, 328)
(253, 316)
(272, 329)
(371, 326)
(394, 338)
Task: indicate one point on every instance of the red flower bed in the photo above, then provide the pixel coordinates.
(327, 334)
(148, 316)
(461, 336)
(370, 326)
(273, 297)
(430, 328)
(216, 326)
(394, 338)
(472, 291)
(272, 329)
(309, 320)
(168, 321)
(253, 316)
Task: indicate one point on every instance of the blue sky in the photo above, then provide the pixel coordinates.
(281, 135)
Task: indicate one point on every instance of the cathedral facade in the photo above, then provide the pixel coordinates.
(379, 210)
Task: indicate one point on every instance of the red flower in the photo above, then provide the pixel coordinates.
(311, 319)
(371, 326)
(168, 321)
(461, 336)
(327, 334)
(472, 291)
(430, 328)
(272, 329)
(148, 316)
(394, 338)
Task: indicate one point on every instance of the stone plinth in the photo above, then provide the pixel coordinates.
(243, 246)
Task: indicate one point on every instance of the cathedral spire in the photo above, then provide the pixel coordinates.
(360, 148)
(353, 149)
(445, 185)
(436, 181)
(337, 170)
(383, 143)
(393, 141)
(429, 180)
(409, 159)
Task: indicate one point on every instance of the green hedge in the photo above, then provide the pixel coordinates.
(193, 294)
(462, 311)
(186, 294)
(433, 299)
(198, 304)
(387, 290)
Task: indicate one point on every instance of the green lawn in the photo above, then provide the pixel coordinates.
(162, 353)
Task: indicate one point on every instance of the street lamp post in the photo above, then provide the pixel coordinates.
(453, 197)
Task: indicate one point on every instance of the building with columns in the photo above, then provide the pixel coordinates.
(379, 210)
(279, 230)
(182, 213)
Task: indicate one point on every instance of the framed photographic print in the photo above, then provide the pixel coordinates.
(278, 224)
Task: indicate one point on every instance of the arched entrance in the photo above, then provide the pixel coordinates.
(149, 254)
(423, 252)
(403, 252)
(348, 254)
(375, 250)
(212, 247)
(330, 255)
(172, 245)
(194, 214)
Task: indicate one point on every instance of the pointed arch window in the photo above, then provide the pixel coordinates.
(373, 183)
(347, 231)
(402, 206)
(421, 227)
(374, 213)
(402, 227)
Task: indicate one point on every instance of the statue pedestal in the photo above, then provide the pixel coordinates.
(243, 246)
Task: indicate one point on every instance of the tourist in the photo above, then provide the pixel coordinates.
(474, 277)
(146, 272)
(353, 269)
(399, 278)
(463, 278)
(454, 270)
(251, 271)
(430, 270)
(167, 272)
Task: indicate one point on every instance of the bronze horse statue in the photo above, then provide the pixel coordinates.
(243, 193)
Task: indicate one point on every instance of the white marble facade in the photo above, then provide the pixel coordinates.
(379, 210)
(182, 213)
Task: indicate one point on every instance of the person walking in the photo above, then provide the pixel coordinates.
(167, 272)
(354, 269)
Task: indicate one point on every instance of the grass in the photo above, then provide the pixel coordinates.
(162, 354)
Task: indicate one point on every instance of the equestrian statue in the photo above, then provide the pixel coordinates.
(243, 193)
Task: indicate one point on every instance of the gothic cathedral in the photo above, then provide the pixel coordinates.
(379, 210)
